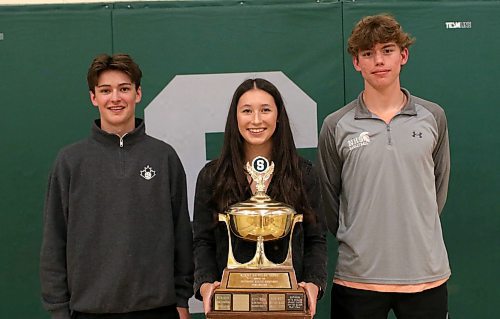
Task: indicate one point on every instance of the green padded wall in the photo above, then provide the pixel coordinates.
(44, 57)
(45, 52)
(301, 39)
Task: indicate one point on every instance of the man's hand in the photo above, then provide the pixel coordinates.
(206, 291)
(312, 295)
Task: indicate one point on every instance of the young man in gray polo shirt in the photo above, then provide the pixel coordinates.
(384, 160)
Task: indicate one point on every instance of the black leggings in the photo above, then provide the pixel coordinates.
(349, 303)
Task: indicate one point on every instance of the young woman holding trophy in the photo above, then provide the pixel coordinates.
(257, 125)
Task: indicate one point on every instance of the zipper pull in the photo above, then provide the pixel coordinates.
(121, 139)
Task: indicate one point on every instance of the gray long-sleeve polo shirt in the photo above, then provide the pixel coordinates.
(384, 186)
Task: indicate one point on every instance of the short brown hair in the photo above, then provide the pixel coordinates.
(382, 28)
(121, 62)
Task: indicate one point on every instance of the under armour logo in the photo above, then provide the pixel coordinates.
(148, 173)
(415, 134)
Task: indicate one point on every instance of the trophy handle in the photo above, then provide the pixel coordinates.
(231, 261)
(297, 218)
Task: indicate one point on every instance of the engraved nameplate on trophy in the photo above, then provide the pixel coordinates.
(259, 288)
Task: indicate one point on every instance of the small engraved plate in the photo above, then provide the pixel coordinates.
(258, 302)
(276, 280)
(222, 302)
(294, 302)
(276, 302)
(241, 302)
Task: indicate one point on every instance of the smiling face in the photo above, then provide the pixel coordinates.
(116, 96)
(381, 65)
(256, 116)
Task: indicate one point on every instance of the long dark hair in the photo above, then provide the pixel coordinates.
(230, 180)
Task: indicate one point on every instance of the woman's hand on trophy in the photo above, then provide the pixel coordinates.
(206, 292)
(312, 295)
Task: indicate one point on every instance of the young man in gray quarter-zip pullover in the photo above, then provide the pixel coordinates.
(117, 240)
(384, 162)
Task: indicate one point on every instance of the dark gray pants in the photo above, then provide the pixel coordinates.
(169, 312)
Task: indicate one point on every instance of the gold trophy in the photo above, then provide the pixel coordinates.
(259, 288)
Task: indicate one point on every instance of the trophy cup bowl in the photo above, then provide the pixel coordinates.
(250, 225)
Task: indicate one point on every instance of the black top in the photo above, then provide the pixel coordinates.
(309, 250)
(117, 235)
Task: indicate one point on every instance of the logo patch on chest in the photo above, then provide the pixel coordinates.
(417, 134)
(362, 140)
(148, 173)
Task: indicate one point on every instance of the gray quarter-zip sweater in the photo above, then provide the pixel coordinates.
(117, 235)
(384, 186)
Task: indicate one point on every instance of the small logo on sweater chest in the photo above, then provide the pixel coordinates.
(148, 173)
(417, 134)
(362, 140)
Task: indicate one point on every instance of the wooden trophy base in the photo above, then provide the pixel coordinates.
(263, 293)
(254, 315)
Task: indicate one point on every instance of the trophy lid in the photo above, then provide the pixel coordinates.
(260, 203)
